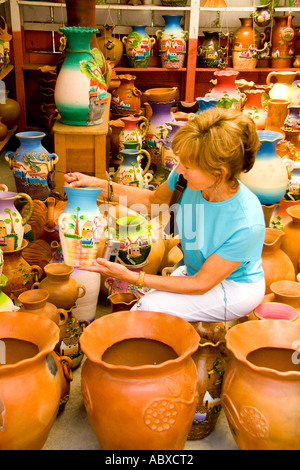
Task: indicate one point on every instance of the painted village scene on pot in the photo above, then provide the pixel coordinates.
(150, 225)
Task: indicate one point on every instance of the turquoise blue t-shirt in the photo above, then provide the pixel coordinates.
(234, 229)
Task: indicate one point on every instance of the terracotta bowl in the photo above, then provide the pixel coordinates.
(159, 95)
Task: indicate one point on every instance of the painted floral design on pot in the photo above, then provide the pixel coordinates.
(226, 90)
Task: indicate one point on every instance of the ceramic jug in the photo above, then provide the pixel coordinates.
(81, 226)
(292, 121)
(126, 98)
(210, 53)
(268, 177)
(156, 396)
(35, 301)
(30, 382)
(110, 45)
(254, 107)
(245, 42)
(172, 43)
(283, 42)
(135, 129)
(158, 115)
(138, 46)
(121, 301)
(32, 165)
(11, 221)
(80, 91)
(130, 172)
(266, 361)
(283, 88)
(226, 91)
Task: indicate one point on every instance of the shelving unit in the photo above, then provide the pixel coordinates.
(192, 80)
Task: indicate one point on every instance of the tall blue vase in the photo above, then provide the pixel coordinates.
(172, 43)
(81, 226)
(81, 91)
(32, 165)
(268, 178)
(138, 46)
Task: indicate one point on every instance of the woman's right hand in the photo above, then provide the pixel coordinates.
(76, 180)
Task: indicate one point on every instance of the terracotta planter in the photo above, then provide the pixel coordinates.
(291, 242)
(261, 385)
(35, 301)
(154, 397)
(63, 290)
(30, 383)
(121, 301)
(275, 262)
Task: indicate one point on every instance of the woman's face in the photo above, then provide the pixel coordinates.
(196, 179)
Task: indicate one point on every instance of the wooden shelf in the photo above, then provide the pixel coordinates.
(4, 72)
(10, 133)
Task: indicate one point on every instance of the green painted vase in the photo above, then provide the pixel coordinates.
(81, 91)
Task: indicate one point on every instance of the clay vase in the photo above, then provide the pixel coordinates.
(35, 301)
(244, 45)
(292, 121)
(172, 43)
(126, 98)
(274, 310)
(210, 367)
(81, 226)
(130, 171)
(63, 290)
(210, 54)
(10, 111)
(135, 129)
(30, 383)
(158, 114)
(169, 160)
(138, 46)
(268, 177)
(12, 223)
(226, 91)
(275, 262)
(156, 396)
(277, 112)
(283, 42)
(206, 102)
(264, 360)
(283, 88)
(32, 165)
(21, 275)
(121, 301)
(110, 45)
(254, 107)
(291, 242)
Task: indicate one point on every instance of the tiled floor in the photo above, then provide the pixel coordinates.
(72, 431)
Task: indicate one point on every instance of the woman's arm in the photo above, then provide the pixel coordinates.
(213, 271)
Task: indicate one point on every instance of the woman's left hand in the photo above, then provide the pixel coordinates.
(108, 268)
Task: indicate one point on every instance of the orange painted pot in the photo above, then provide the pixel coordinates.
(139, 381)
(30, 382)
(261, 385)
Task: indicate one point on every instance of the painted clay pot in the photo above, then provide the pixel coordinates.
(161, 95)
(81, 226)
(126, 99)
(169, 160)
(130, 171)
(135, 129)
(210, 367)
(264, 360)
(35, 301)
(291, 242)
(110, 45)
(283, 88)
(30, 383)
(277, 111)
(12, 223)
(268, 177)
(274, 310)
(158, 115)
(206, 102)
(63, 290)
(292, 121)
(226, 91)
(275, 262)
(138, 46)
(32, 165)
(172, 43)
(210, 53)
(244, 45)
(121, 301)
(283, 42)
(80, 91)
(254, 107)
(156, 397)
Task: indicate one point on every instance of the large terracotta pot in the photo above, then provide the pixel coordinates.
(35, 301)
(261, 385)
(155, 398)
(30, 383)
(291, 242)
(283, 42)
(63, 290)
(275, 262)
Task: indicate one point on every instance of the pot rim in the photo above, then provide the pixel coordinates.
(93, 332)
(45, 347)
(279, 331)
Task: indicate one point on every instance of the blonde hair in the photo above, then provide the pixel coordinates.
(218, 138)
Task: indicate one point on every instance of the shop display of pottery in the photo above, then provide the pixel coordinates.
(139, 367)
(130, 171)
(262, 377)
(32, 165)
(81, 226)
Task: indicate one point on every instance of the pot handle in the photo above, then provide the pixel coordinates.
(67, 364)
(9, 156)
(53, 160)
(83, 292)
(268, 79)
(29, 210)
(63, 316)
(143, 126)
(3, 187)
(145, 152)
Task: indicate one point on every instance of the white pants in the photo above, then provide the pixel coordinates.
(228, 301)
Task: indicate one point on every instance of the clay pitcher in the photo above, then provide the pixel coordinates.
(35, 301)
(254, 107)
(126, 99)
(30, 383)
(262, 383)
(283, 88)
(291, 243)
(63, 290)
(122, 300)
(156, 396)
(275, 262)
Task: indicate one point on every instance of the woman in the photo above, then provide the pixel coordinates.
(220, 223)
